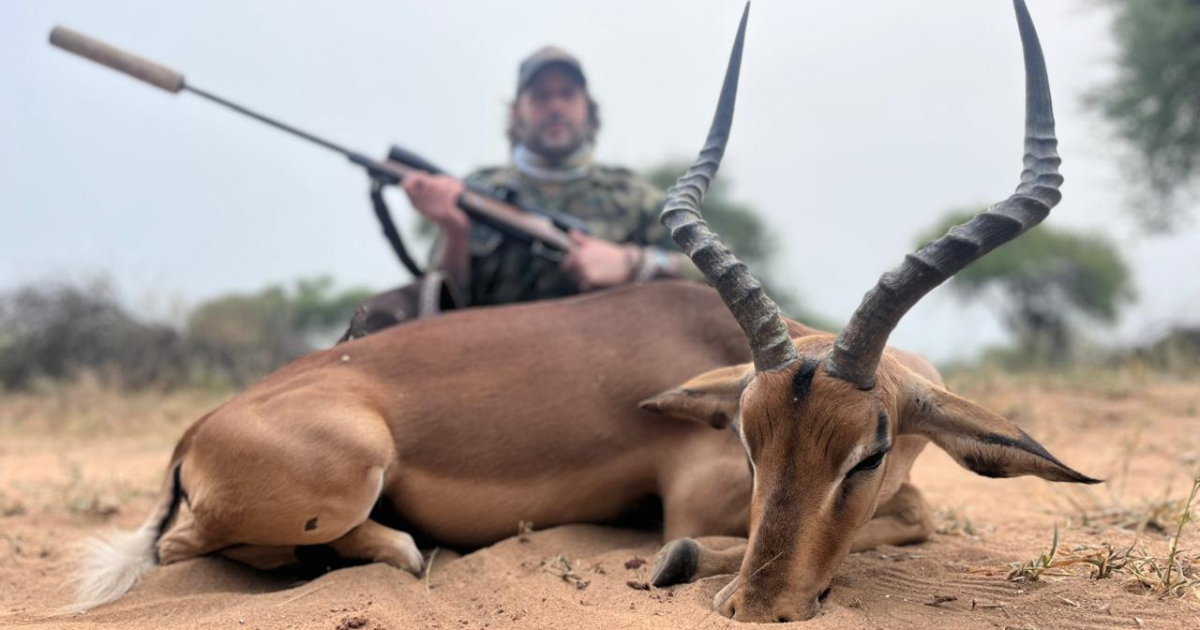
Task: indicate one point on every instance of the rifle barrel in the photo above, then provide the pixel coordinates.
(271, 121)
(500, 215)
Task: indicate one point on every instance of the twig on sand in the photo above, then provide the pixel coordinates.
(941, 599)
(303, 595)
(429, 567)
(996, 606)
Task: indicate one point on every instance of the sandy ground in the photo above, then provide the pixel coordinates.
(74, 462)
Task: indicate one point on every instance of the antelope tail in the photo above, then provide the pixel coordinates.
(109, 566)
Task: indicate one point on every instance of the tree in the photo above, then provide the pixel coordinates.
(1153, 101)
(244, 336)
(1042, 281)
(58, 331)
(317, 310)
(743, 231)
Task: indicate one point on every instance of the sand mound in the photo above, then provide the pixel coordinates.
(585, 576)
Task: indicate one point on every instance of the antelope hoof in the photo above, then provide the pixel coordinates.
(411, 560)
(676, 563)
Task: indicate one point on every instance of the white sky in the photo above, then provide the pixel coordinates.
(859, 124)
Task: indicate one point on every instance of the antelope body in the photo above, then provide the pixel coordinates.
(463, 427)
(576, 410)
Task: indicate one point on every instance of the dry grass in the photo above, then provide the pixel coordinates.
(12, 506)
(83, 474)
(1175, 574)
(1098, 511)
(95, 498)
(1103, 561)
(562, 567)
(1095, 512)
(1104, 379)
(88, 408)
(953, 521)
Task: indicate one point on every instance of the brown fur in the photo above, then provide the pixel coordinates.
(807, 513)
(470, 423)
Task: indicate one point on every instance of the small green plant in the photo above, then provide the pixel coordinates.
(1096, 512)
(1044, 564)
(1176, 575)
(1173, 575)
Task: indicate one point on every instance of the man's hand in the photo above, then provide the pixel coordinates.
(596, 263)
(436, 197)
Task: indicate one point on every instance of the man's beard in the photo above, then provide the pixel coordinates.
(554, 154)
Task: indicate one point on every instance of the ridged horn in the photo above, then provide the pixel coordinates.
(860, 345)
(758, 316)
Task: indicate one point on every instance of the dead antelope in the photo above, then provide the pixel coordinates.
(832, 424)
(462, 426)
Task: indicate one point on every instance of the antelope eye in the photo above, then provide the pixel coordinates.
(870, 463)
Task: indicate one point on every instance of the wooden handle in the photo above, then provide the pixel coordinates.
(533, 226)
(117, 59)
(498, 214)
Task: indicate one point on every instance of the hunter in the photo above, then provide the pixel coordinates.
(552, 132)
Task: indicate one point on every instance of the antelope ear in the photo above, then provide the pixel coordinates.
(711, 398)
(981, 441)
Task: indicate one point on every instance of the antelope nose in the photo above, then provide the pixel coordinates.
(744, 610)
(801, 611)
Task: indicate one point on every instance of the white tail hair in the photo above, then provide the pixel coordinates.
(110, 565)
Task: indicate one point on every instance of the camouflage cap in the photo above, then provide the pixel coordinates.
(544, 58)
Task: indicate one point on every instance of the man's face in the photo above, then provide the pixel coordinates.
(551, 115)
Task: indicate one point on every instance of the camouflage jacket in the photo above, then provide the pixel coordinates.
(615, 203)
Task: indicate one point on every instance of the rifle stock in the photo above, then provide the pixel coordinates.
(495, 213)
(564, 222)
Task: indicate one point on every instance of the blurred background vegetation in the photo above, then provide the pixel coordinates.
(1152, 103)
(1055, 290)
(61, 332)
(1046, 287)
(741, 228)
(1051, 288)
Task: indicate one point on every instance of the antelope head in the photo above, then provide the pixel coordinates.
(823, 418)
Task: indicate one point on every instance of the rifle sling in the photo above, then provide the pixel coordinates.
(389, 228)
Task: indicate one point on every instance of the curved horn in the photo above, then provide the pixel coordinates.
(860, 345)
(758, 316)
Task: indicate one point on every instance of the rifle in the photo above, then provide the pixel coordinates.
(525, 223)
(562, 221)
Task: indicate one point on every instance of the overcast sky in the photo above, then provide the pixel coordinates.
(859, 124)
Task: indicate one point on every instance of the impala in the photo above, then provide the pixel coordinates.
(832, 425)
